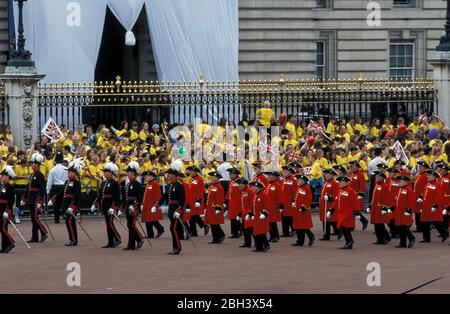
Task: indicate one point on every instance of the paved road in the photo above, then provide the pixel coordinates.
(221, 268)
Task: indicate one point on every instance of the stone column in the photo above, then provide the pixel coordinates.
(21, 97)
(440, 61)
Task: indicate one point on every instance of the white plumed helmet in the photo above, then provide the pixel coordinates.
(76, 165)
(37, 158)
(109, 166)
(9, 171)
(133, 166)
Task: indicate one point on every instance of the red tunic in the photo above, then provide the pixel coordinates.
(419, 188)
(272, 192)
(247, 196)
(379, 200)
(392, 193)
(358, 183)
(234, 200)
(405, 199)
(261, 178)
(302, 220)
(330, 188)
(431, 197)
(186, 216)
(216, 197)
(152, 196)
(346, 204)
(195, 192)
(444, 192)
(288, 190)
(260, 226)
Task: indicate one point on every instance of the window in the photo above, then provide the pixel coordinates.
(320, 60)
(324, 3)
(401, 62)
(404, 3)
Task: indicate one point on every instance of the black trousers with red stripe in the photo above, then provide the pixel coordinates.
(176, 230)
(7, 240)
(37, 224)
(71, 225)
(134, 235)
(113, 235)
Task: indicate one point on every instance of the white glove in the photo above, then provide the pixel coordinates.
(419, 200)
(433, 209)
(326, 198)
(176, 215)
(93, 208)
(262, 216)
(5, 215)
(217, 212)
(358, 217)
(197, 204)
(407, 214)
(389, 211)
(360, 197)
(238, 218)
(154, 209)
(368, 210)
(281, 209)
(294, 205)
(188, 210)
(131, 209)
(69, 211)
(247, 217)
(38, 205)
(50, 203)
(328, 215)
(383, 212)
(119, 213)
(110, 211)
(22, 203)
(444, 212)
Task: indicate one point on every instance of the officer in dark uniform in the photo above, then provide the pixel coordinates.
(175, 198)
(33, 198)
(7, 195)
(132, 204)
(108, 200)
(71, 200)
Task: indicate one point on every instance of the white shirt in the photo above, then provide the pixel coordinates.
(373, 164)
(56, 176)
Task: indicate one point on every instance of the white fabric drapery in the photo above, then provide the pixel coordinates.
(127, 13)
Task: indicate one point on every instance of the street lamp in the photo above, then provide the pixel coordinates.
(445, 40)
(20, 57)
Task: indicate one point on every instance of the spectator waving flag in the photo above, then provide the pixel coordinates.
(316, 127)
(400, 152)
(51, 131)
(294, 157)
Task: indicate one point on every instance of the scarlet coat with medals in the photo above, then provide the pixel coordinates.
(405, 198)
(261, 178)
(215, 199)
(431, 197)
(330, 188)
(444, 192)
(186, 216)
(379, 200)
(288, 190)
(420, 183)
(346, 204)
(152, 197)
(272, 192)
(247, 196)
(71, 196)
(392, 192)
(195, 192)
(302, 219)
(233, 198)
(260, 226)
(358, 184)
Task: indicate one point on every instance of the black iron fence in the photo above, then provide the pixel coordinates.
(111, 102)
(4, 112)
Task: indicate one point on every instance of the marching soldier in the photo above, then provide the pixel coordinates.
(378, 202)
(329, 192)
(420, 182)
(444, 182)
(288, 189)
(345, 205)
(55, 185)
(301, 205)
(7, 195)
(232, 203)
(71, 199)
(132, 204)
(246, 202)
(259, 215)
(431, 215)
(195, 193)
(214, 215)
(108, 200)
(175, 197)
(259, 174)
(272, 193)
(151, 210)
(402, 211)
(33, 198)
(358, 184)
(392, 193)
(186, 235)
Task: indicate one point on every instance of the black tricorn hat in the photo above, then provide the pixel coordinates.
(257, 184)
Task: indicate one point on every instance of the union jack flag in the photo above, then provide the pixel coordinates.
(294, 157)
(316, 127)
(52, 131)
